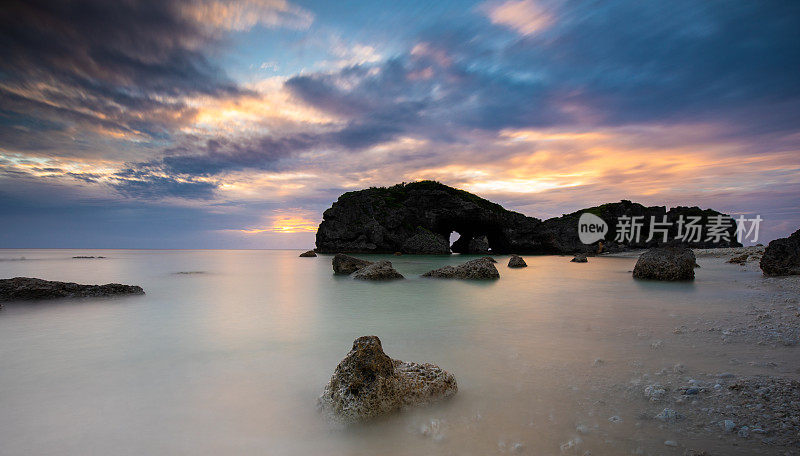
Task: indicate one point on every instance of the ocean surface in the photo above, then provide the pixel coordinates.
(229, 350)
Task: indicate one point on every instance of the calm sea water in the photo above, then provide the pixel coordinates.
(231, 358)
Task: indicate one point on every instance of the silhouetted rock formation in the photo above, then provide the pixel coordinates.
(25, 289)
(345, 264)
(419, 218)
(426, 241)
(672, 262)
(380, 270)
(478, 269)
(382, 220)
(516, 261)
(782, 256)
(367, 383)
(308, 254)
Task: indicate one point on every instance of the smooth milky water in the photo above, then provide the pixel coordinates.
(231, 358)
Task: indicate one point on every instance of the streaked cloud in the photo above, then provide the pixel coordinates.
(526, 17)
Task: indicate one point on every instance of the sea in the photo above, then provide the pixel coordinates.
(228, 351)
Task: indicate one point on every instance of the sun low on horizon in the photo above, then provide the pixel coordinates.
(235, 124)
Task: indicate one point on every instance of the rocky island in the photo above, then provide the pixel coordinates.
(28, 289)
(419, 217)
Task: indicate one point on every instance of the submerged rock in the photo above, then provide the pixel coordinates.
(309, 253)
(380, 270)
(666, 263)
(741, 259)
(782, 256)
(478, 269)
(426, 241)
(579, 258)
(345, 264)
(516, 261)
(367, 383)
(26, 289)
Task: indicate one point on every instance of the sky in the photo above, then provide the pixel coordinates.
(235, 124)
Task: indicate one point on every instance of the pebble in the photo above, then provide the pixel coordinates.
(744, 432)
(729, 426)
(668, 415)
(571, 445)
(671, 443)
(615, 419)
(692, 391)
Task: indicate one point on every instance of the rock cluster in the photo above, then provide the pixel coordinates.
(346, 264)
(379, 270)
(516, 261)
(782, 256)
(675, 262)
(367, 383)
(309, 253)
(478, 269)
(25, 289)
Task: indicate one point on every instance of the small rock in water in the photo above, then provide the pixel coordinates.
(679, 368)
(571, 446)
(671, 443)
(308, 254)
(657, 344)
(615, 419)
(691, 391)
(516, 261)
(582, 428)
(598, 362)
(579, 258)
(433, 430)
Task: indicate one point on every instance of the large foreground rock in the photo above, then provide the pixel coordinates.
(367, 383)
(516, 261)
(346, 264)
(26, 289)
(478, 269)
(782, 256)
(379, 270)
(666, 263)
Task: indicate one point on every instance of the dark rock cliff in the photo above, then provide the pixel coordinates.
(410, 217)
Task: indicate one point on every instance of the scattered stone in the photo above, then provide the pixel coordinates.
(571, 446)
(729, 426)
(675, 262)
(615, 419)
(346, 264)
(671, 443)
(692, 391)
(668, 415)
(28, 289)
(579, 258)
(367, 383)
(516, 261)
(782, 256)
(380, 270)
(744, 432)
(308, 254)
(654, 392)
(478, 269)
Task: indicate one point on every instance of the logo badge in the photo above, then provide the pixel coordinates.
(591, 228)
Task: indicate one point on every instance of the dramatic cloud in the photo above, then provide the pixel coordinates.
(545, 106)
